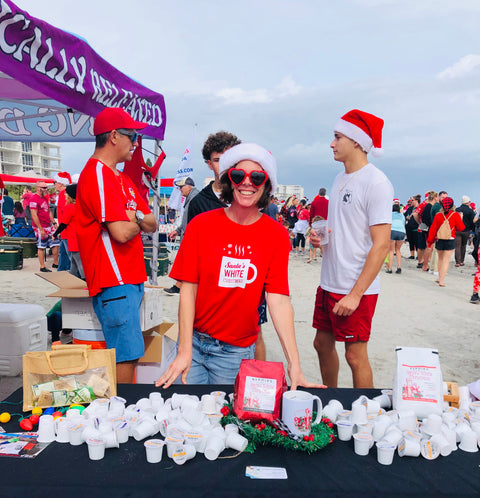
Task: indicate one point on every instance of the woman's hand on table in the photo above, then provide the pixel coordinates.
(298, 379)
(179, 366)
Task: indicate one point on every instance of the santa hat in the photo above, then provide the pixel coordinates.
(396, 200)
(63, 177)
(363, 128)
(252, 152)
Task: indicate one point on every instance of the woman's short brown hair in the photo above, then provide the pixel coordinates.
(227, 191)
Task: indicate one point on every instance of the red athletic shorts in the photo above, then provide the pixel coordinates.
(353, 328)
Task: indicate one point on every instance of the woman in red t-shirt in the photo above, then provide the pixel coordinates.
(444, 247)
(224, 277)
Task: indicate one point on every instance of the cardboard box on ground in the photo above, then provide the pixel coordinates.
(160, 337)
(160, 351)
(77, 308)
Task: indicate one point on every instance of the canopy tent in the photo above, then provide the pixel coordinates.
(22, 180)
(56, 83)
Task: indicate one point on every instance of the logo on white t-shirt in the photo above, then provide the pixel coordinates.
(347, 197)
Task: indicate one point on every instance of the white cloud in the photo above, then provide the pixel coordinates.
(463, 67)
(286, 88)
(414, 8)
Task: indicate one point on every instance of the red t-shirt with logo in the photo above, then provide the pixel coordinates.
(103, 196)
(232, 264)
(41, 204)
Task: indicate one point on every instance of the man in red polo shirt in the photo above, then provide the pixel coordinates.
(110, 216)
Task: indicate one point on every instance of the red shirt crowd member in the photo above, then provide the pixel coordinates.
(61, 180)
(444, 246)
(110, 216)
(319, 205)
(43, 225)
(76, 267)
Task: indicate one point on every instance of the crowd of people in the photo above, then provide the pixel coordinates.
(236, 239)
(435, 230)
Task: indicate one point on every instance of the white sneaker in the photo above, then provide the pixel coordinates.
(435, 273)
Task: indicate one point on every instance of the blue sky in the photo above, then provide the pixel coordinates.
(280, 73)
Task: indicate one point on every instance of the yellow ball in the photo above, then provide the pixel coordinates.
(5, 417)
(37, 411)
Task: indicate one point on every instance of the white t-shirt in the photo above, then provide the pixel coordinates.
(358, 201)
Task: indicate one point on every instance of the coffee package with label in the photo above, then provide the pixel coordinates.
(259, 387)
(418, 382)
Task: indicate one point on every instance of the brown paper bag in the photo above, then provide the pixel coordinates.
(68, 374)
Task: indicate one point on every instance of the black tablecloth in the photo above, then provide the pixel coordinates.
(65, 470)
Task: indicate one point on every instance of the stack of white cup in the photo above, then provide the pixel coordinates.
(372, 420)
(188, 424)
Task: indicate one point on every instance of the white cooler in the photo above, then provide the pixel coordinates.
(23, 327)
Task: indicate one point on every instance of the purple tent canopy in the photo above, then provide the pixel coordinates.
(54, 83)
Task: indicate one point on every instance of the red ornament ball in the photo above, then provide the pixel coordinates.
(34, 419)
(306, 438)
(312, 437)
(26, 424)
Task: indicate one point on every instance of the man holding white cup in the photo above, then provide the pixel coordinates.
(359, 220)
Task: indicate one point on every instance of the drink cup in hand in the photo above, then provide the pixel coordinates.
(321, 229)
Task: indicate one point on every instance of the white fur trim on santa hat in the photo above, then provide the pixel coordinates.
(355, 133)
(253, 152)
(63, 178)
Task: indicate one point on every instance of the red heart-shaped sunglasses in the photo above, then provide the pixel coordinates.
(257, 178)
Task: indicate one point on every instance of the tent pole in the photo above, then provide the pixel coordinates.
(156, 212)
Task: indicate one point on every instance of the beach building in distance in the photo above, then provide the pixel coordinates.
(283, 192)
(42, 158)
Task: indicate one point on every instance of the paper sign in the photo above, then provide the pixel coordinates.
(255, 472)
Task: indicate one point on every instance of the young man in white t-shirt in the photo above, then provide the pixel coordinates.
(359, 220)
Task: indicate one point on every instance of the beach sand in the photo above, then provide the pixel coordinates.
(411, 311)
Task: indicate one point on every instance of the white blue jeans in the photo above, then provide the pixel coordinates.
(214, 361)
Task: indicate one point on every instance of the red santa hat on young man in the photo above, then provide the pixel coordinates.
(363, 128)
(63, 177)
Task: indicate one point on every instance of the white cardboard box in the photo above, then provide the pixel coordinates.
(77, 308)
(160, 351)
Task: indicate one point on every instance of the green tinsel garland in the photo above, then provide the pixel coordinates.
(264, 434)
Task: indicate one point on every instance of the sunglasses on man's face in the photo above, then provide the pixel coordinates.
(257, 178)
(133, 135)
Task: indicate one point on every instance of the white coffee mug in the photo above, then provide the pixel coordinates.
(297, 411)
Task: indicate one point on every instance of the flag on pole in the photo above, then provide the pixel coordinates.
(185, 169)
